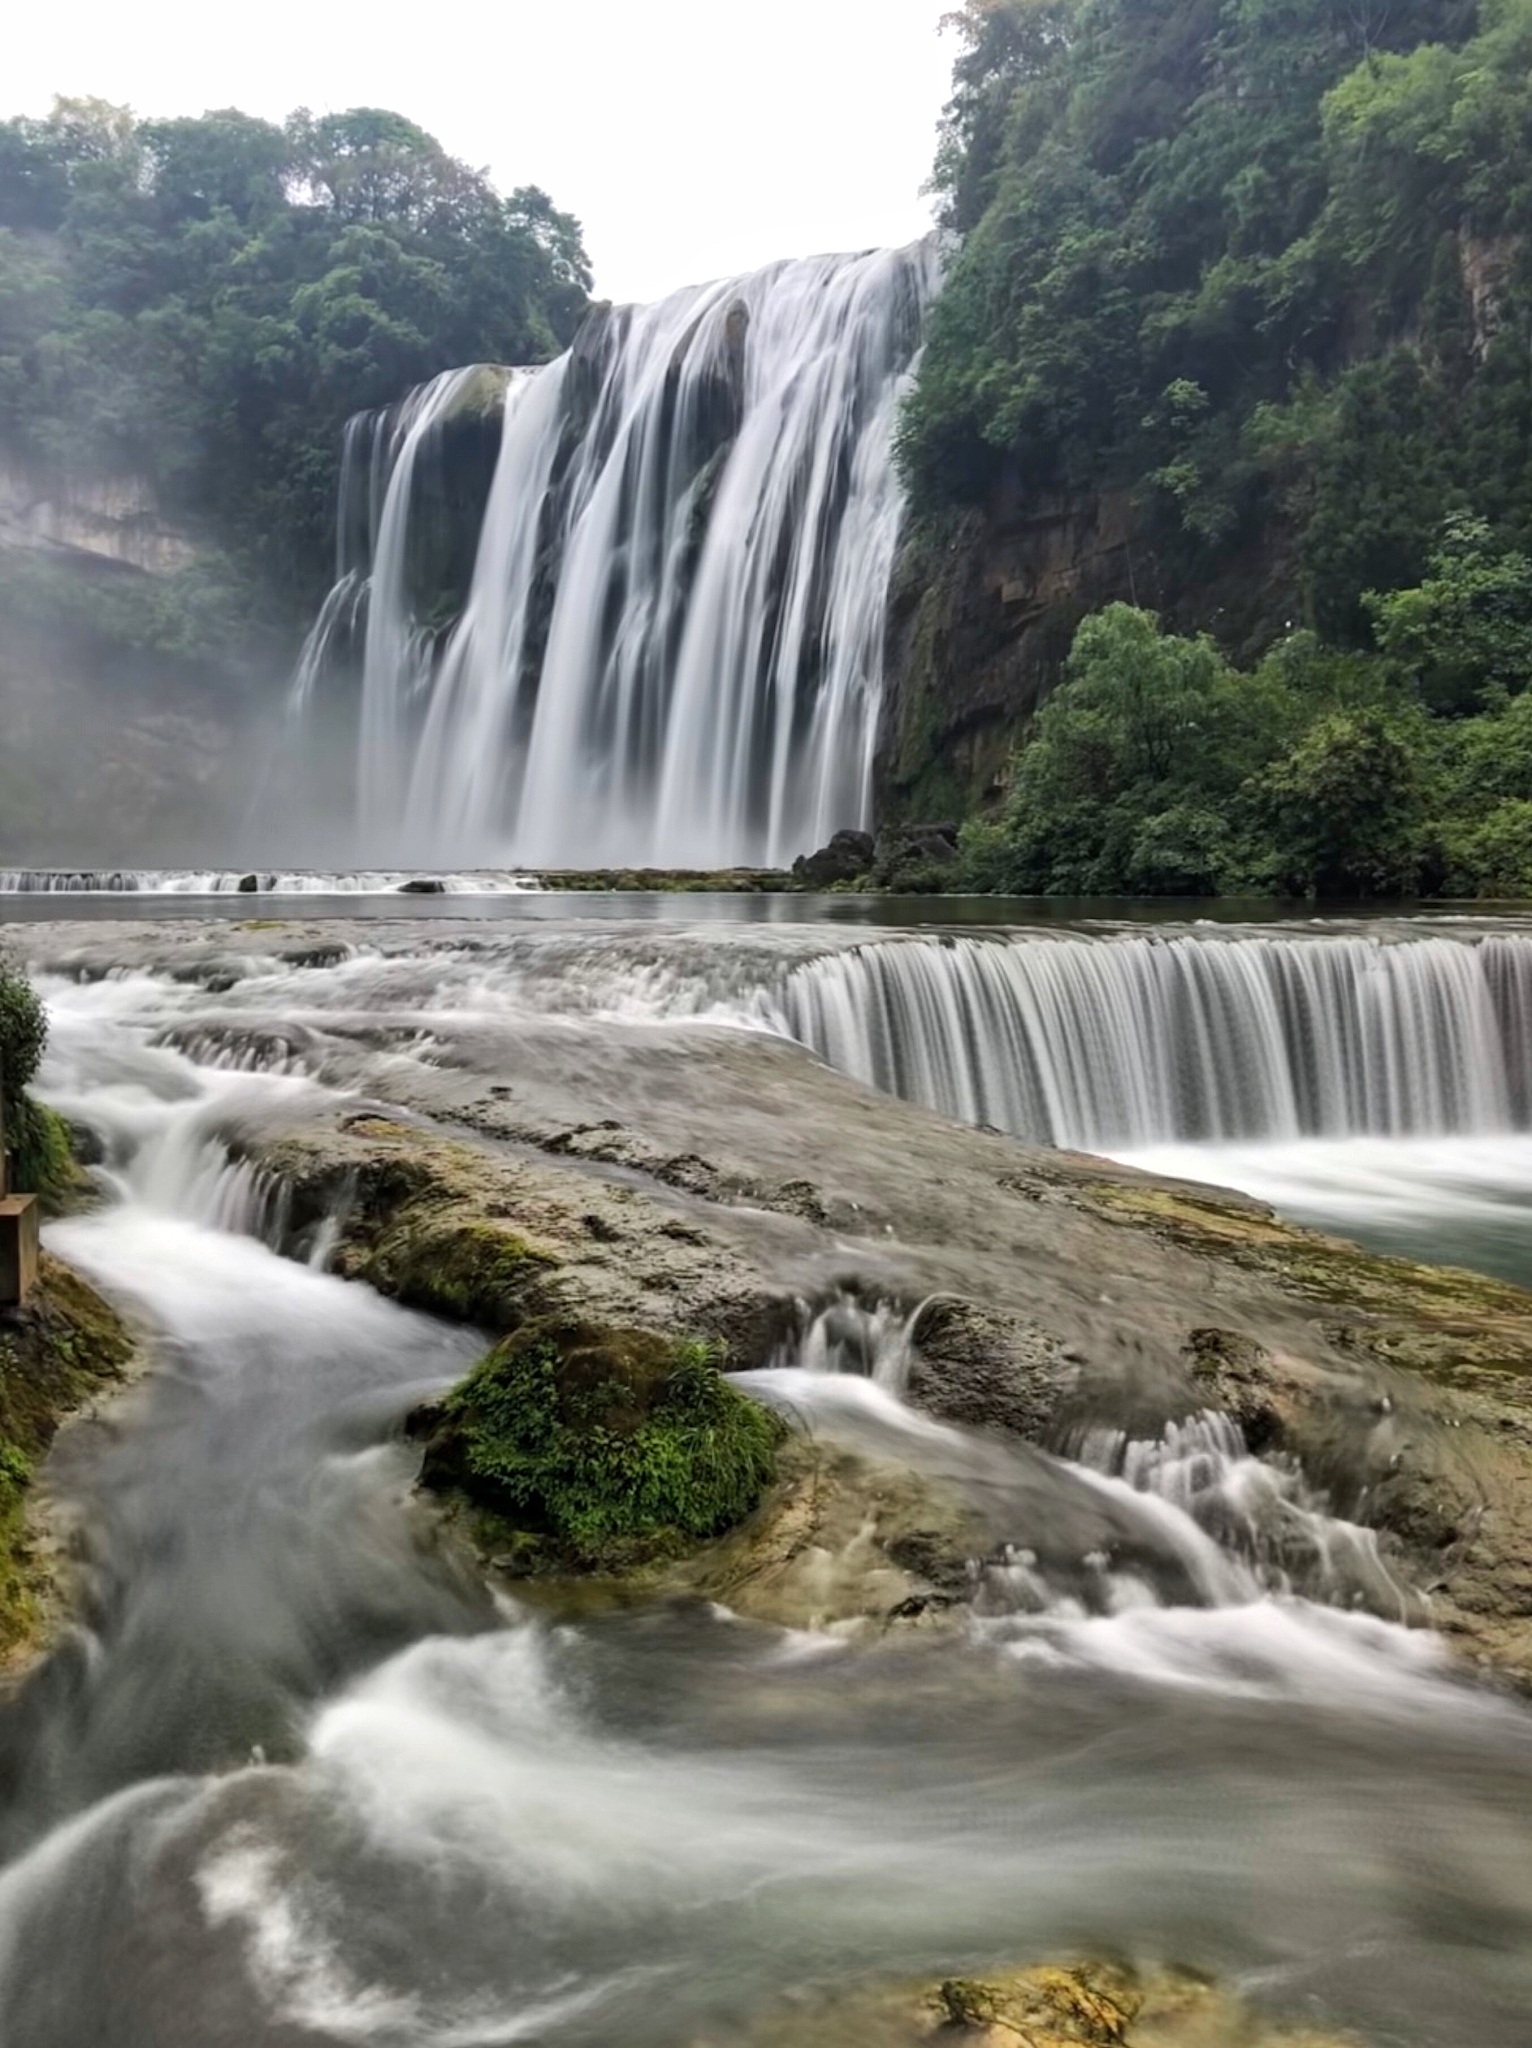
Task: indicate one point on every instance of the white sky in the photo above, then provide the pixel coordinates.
(692, 138)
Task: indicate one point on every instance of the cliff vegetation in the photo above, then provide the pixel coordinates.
(1239, 331)
(198, 305)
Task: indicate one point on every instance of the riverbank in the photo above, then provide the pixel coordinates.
(57, 1352)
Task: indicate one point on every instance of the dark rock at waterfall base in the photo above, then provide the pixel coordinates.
(423, 885)
(249, 885)
(846, 859)
(914, 858)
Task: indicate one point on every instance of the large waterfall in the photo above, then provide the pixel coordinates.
(671, 649)
(1113, 1043)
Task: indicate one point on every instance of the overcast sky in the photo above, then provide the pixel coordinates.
(692, 138)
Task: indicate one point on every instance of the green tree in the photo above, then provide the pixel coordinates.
(1465, 634)
(1132, 775)
(204, 302)
(1346, 809)
(36, 1139)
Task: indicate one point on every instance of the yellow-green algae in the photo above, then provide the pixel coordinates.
(1076, 2005)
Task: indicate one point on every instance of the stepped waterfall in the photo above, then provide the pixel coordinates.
(1106, 1043)
(670, 649)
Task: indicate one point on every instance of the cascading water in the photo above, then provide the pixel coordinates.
(1106, 1044)
(672, 647)
(303, 1781)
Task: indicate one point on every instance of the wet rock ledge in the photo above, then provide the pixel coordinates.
(705, 1186)
(1049, 1293)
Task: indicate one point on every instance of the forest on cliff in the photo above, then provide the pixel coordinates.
(200, 304)
(1240, 290)
(1257, 273)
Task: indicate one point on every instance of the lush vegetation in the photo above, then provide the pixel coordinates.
(1157, 768)
(1259, 268)
(201, 303)
(602, 1447)
(35, 1138)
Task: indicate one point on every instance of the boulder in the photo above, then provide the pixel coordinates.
(846, 859)
(912, 857)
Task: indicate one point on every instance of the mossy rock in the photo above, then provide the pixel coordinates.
(54, 1352)
(599, 1449)
(1076, 2005)
(462, 1266)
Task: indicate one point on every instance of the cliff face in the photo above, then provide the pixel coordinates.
(121, 694)
(110, 518)
(981, 620)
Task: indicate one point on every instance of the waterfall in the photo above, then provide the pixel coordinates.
(1113, 1043)
(671, 649)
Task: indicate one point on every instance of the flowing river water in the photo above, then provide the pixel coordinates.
(301, 1780)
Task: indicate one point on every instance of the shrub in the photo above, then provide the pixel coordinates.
(37, 1139)
(1493, 857)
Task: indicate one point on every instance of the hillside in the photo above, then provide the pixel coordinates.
(1237, 331)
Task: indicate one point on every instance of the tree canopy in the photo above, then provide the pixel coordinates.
(1254, 262)
(203, 302)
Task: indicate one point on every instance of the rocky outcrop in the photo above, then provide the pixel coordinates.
(115, 518)
(846, 858)
(983, 612)
(981, 618)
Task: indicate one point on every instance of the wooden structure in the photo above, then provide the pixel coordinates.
(18, 1229)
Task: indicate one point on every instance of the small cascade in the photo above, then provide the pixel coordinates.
(1114, 1043)
(671, 650)
(1123, 1525)
(846, 1335)
(1260, 1511)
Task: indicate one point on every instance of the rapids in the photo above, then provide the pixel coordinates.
(296, 1782)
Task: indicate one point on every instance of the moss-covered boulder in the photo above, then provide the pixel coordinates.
(600, 1449)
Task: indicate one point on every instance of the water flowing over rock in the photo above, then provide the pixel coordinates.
(1137, 1041)
(671, 650)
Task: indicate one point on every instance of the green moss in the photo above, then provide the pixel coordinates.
(457, 1265)
(602, 1448)
(42, 1156)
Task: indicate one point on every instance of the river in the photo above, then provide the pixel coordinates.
(299, 1779)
